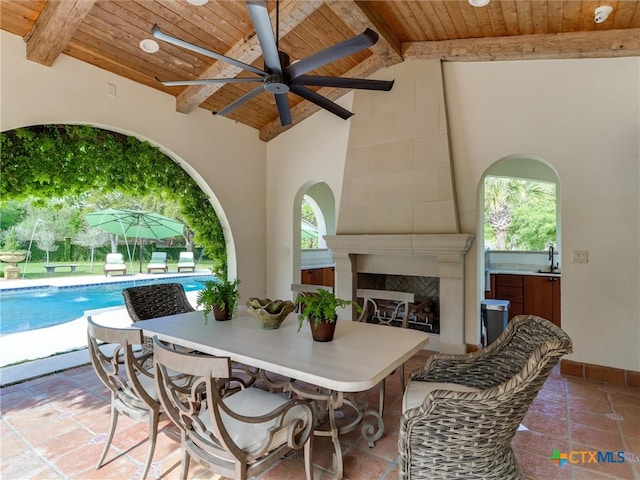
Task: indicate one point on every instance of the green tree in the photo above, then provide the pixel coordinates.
(507, 198)
(57, 160)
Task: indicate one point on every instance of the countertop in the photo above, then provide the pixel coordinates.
(523, 272)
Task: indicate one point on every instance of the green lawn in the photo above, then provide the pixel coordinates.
(37, 270)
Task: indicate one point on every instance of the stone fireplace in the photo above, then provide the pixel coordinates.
(431, 255)
(397, 211)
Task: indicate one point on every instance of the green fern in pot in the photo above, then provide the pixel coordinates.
(219, 296)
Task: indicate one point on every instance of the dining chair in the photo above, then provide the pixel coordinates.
(237, 435)
(152, 301)
(390, 308)
(460, 412)
(133, 393)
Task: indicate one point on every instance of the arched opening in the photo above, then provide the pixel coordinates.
(125, 159)
(314, 216)
(526, 175)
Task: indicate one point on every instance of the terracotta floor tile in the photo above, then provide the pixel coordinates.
(595, 439)
(538, 443)
(55, 427)
(540, 467)
(589, 404)
(25, 465)
(594, 420)
(587, 464)
(544, 424)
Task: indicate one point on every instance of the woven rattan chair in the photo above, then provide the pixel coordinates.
(461, 412)
(153, 301)
(239, 435)
(132, 387)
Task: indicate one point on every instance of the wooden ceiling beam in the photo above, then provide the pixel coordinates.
(593, 44)
(292, 13)
(358, 16)
(54, 28)
(305, 109)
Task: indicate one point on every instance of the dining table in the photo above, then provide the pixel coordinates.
(360, 356)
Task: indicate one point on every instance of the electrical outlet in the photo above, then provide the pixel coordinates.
(580, 256)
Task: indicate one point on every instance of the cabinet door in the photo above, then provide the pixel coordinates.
(540, 297)
(328, 277)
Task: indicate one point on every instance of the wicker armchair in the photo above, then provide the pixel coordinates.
(153, 301)
(460, 412)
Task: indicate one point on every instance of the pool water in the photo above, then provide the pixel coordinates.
(31, 308)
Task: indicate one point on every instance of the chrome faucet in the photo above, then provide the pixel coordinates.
(552, 252)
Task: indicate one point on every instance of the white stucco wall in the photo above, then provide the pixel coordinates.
(583, 118)
(228, 160)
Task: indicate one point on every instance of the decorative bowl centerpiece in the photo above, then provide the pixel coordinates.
(269, 313)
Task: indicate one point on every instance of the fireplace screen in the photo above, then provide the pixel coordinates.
(400, 300)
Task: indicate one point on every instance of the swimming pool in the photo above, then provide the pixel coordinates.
(31, 308)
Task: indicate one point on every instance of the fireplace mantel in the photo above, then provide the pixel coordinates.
(440, 255)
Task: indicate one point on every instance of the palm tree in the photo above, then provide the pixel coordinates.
(501, 195)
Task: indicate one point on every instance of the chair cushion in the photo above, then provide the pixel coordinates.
(252, 402)
(417, 391)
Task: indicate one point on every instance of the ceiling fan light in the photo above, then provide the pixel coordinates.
(197, 3)
(149, 46)
(478, 3)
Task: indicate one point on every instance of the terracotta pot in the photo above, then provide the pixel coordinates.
(322, 331)
(221, 314)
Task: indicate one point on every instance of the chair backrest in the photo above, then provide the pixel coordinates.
(527, 342)
(186, 257)
(114, 360)
(158, 257)
(157, 300)
(257, 425)
(385, 306)
(114, 258)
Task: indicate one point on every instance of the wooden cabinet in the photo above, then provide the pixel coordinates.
(542, 297)
(510, 287)
(318, 276)
(529, 294)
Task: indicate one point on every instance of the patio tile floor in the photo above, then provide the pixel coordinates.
(54, 427)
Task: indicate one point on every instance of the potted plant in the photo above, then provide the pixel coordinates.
(221, 296)
(320, 310)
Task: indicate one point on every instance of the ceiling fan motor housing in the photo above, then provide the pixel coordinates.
(275, 84)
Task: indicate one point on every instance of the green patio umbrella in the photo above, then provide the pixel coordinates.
(134, 224)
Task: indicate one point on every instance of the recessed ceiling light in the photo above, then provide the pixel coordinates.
(602, 13)
(148, 45)
(478, 3)
(197, 3)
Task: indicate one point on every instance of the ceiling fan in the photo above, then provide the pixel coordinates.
(279, 75)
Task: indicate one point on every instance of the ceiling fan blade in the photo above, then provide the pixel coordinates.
(331, 54)
(159, 34)
(204, 81)
(343, 82)
(262, 23)
(283, 109)
(321, 101)
(235, 104)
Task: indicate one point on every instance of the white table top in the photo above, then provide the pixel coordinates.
(360, 356)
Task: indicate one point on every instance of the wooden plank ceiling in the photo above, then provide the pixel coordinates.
(107, 33)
